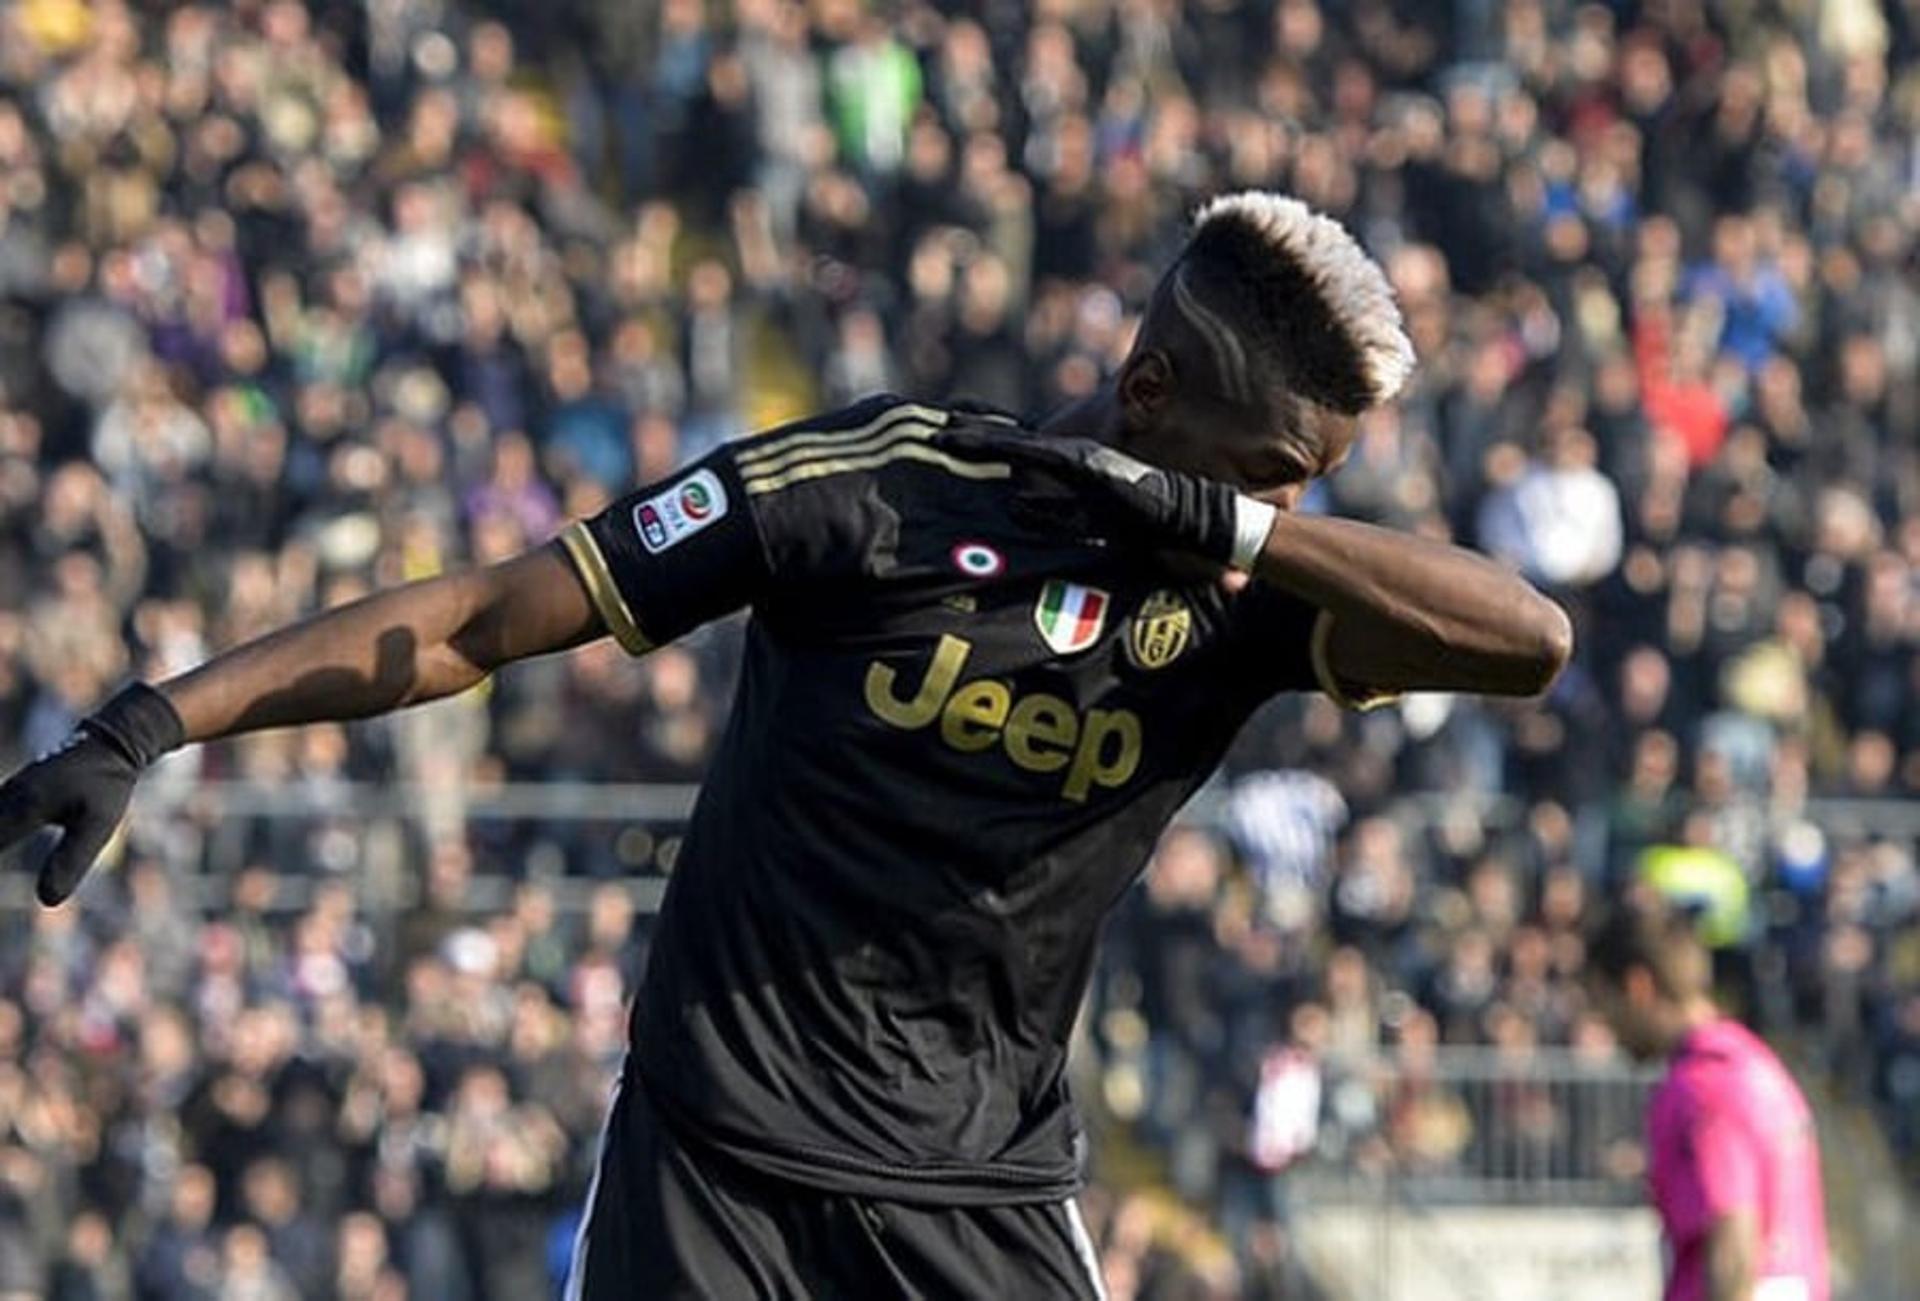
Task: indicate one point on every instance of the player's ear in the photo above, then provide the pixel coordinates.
(1146, 385)
(1637, 984)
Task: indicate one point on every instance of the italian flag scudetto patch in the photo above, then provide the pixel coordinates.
(1070, 616)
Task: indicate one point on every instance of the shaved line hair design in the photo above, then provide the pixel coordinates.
(1229, 357)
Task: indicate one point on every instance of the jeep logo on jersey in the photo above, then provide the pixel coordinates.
(1160, 630)
(1070, 616)
(1040, 733)
(671, 517)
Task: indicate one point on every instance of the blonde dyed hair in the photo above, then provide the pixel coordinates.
(1281, 295)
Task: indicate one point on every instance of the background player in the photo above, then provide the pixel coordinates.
(1735, 1167)
(984, 670)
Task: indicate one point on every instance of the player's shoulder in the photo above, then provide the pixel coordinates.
(842, 453)
(1710, 1085)
(836, 492)
(840, 420)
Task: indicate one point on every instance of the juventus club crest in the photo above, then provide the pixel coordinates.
(1160, 631)
(1070, 616)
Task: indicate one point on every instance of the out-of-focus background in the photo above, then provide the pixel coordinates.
(300, 299)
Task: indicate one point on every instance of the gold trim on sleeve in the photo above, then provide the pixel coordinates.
(605, 594)
(1329, 683)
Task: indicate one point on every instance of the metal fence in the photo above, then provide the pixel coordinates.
(1483, 1126)
(566, 809)
(1477, 1174)
(575, 837)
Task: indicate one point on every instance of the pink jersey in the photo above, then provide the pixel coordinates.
(1730, 1131)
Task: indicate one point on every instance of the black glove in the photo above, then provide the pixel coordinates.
(1077, 486)
(82, 786)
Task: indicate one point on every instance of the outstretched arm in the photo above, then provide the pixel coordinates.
(1404, 613)
(399, 647)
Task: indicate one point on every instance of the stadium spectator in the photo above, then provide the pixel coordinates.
(300, 297)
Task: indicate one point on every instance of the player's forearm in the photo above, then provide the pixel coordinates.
(400, 647)
(391, 649)
(1449, 618)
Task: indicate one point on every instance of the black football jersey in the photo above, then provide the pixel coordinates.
(955, 740)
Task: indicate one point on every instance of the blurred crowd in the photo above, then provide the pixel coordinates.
(299, 299)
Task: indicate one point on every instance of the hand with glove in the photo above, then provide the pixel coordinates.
(82, 787)
(1075, 485)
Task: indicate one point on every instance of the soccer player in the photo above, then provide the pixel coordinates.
(1735, 1168)
(984, 667)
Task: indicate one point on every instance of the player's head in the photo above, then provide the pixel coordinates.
(1266, 338)
(1646, 969)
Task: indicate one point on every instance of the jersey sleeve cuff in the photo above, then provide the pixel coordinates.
(1345, 695)
(580, 547)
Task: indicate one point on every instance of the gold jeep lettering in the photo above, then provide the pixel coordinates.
(1039, 733)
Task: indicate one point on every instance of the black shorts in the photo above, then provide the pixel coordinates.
(664, 1220)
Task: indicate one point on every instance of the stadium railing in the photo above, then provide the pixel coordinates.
(1478, 1174)
(640, 822)
(1483, 1126)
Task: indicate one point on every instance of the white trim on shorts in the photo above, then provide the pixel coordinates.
(577, 1264)
(1082, 1246)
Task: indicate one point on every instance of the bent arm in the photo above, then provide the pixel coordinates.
(1404, 613)
(399, 647)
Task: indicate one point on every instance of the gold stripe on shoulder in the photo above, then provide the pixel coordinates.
(905, 429)
(602, 590)
(1329, 683)
(911, 451)
(757, 450)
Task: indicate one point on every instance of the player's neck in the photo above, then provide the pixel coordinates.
(1691, 1015)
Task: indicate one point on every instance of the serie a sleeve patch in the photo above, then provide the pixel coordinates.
(670, 517)
(672, 556)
